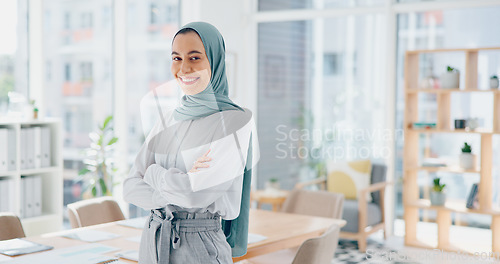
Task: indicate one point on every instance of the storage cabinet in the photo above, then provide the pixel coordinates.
(413, 205)
(34, 156)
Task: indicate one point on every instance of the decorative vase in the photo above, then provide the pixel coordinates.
(467, 161)
(450, 80)
(493, 83)
(438, 198)
(272, 186)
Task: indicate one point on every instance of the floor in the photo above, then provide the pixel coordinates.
(397, 252)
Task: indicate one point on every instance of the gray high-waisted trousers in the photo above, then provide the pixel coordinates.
(188, 238)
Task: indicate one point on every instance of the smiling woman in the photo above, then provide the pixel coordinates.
(190, 65)
(194, 168)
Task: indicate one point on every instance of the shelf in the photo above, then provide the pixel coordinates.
(51, 196)
(435, 130)
(463, 239)
(455, 90)
(8, 173)
(443, 118)
(13, 121)
(444, 169)
(40, 170)
(452, 206)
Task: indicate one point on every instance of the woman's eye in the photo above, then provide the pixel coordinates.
(176, 59)
(195, 58)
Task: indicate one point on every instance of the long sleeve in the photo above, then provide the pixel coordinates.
(202, 188)
(135, 190)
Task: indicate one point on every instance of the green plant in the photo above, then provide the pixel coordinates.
(6, 85)
(97, 175)
(273, 180)
(438, 187)
(494, 77)
(451, 69)
(466, 148)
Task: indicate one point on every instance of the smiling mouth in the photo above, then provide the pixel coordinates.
(189, 80)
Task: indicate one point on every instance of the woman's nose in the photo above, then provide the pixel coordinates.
(185, 67)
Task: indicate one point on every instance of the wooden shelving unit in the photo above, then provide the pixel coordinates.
(412, 202)
(51, 178)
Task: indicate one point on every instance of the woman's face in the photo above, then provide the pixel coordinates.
(190, 65)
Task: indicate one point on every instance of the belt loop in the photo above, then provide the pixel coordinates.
(176, 238)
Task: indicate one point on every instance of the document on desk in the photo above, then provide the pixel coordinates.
(136, 239)
(84, 254)
(134, 222)
(129, 254)
(89, 235)
(17, 246)
(254, 238)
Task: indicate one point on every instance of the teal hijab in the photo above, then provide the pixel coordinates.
(212, 100)
(215, 96)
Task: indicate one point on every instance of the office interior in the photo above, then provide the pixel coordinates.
(329, 82)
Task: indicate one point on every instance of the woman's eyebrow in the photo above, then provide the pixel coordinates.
(189, 53)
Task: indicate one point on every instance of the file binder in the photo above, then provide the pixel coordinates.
(4, 195)
(12, 152)
(23, 149)
(45, 147)
(37, 195)
(4, 163)
(37, 147)
(30, 151)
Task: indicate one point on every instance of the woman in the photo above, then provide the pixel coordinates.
(193, 168)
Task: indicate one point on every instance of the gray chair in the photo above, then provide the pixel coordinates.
(10, 226)
(319, 250)
(314, 203)
(363, 218)
(94, 211)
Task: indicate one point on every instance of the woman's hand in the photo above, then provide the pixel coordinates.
(200, 162)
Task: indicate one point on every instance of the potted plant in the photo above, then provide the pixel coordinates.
(272, 185)
(494, 82)
(97, 175)
(438, 197)
(467, 160)
(6, 86)
(450, 79)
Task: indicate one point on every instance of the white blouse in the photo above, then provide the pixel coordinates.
(159, 177)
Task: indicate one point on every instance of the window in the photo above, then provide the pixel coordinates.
(320, 77)
(149, 43)
(13, 51)
(67, 72)
(75, 49)
(274, 5)
(332, 64)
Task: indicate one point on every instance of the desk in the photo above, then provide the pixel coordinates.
(275, 198)
(281, 229)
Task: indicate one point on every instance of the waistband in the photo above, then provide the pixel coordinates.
(169, 228)
(160, 214)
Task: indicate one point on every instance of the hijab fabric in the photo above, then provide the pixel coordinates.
(212, 100)
(215, 96)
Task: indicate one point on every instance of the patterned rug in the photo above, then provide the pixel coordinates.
(348, 253)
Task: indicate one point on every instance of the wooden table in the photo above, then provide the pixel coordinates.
(282, 231)
(275, 198)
